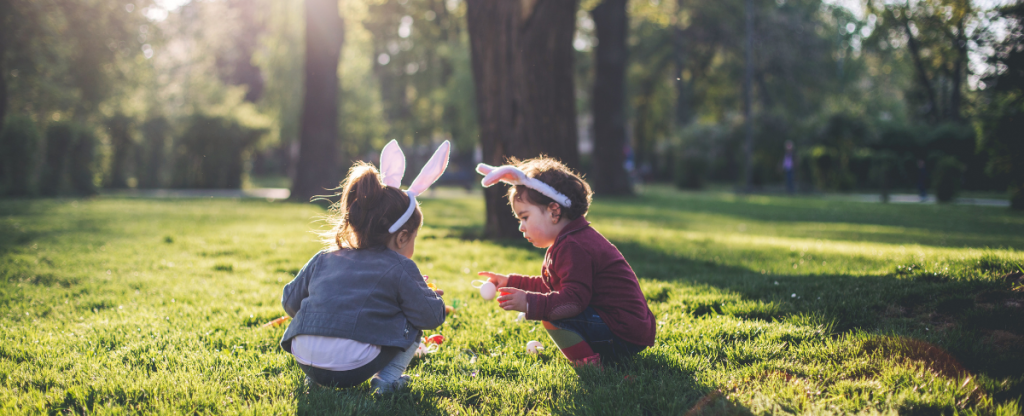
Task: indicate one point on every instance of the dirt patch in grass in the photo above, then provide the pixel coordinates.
(914, 350)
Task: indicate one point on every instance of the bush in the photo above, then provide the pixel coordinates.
(19, 144)
(691, 170)
(212, 152)
(82, 164)
(60, 137)
(828, 170)
(150, 163)
(123, 145)
(884, 171)
(948, 175)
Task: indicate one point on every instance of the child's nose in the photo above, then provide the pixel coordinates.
(522, 227)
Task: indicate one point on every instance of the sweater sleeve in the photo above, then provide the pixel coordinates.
(298, 289)
(423, 308)
(575, 268)
(528, 283)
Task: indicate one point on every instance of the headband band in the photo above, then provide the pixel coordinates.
(392, 169)
(515, 176)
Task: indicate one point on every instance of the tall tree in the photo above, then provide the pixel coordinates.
(608, 101)
(522, 60)
(748, 77)
(318, 156)
(937, 34)
(1001, 118)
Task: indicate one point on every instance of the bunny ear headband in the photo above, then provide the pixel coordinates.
(392, 169)
(514, 176)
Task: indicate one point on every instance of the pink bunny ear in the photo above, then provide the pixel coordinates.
(392, 164)
(432, 170)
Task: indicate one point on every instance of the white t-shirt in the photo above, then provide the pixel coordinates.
(333, 354)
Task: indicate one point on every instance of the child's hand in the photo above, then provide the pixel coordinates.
(499, 280)
(513, 300)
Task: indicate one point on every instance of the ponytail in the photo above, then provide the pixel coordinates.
(366, 210)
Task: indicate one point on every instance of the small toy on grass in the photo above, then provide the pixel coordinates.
(277, 322)
(429, 345)
(534, 347)
(487, 289)
(436, 339)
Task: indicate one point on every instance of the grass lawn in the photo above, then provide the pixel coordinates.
(765, 305)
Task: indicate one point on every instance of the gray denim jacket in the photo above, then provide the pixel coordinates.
(376, 296)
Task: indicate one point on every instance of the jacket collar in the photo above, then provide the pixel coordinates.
(573, 226)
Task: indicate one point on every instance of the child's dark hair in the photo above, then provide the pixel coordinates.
(558, 176)
(366, 210)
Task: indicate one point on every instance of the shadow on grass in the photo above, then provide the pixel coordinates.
(663, 386)
(937, 226)
(13, 232)
(980, 322)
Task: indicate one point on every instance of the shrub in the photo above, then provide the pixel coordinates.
(19, 144)
(948, 173)
(123, 146)
(82, 164)
(150, 163)
(60, 137)
(691, 170)
(212, 152)
(828, 169)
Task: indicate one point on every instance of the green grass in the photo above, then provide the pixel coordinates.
(766, 305)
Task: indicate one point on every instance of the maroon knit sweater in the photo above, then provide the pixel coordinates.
(582, 268)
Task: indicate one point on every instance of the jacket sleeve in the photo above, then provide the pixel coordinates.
(528, 283)
(423, 308)
(298, 289)
(575, 267)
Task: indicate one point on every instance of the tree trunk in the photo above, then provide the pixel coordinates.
(610, 176)
(747, 105)
(317, 168)
(5, 14)
(522, 61)
(922, 73)
(960, 45)
(684, 109)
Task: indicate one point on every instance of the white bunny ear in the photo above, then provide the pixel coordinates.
(432, 170)
(508, 174)
(484, 168)
(392, 164)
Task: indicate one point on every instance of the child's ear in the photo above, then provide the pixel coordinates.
(405, 237)
(555, 210)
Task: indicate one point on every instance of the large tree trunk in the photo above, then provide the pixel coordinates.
(5, 16)
(523, 72)
(748, 116)
(610, 176)
(317, 168)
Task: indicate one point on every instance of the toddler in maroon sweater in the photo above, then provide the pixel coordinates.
(587, 297)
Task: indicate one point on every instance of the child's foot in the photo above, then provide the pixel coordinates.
(593, 360)
(380, 386)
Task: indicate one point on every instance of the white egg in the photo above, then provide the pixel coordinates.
(521, 317)
(487, 291)
(534, 347)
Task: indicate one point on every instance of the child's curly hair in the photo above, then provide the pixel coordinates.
(558, 176)
(366, 210)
